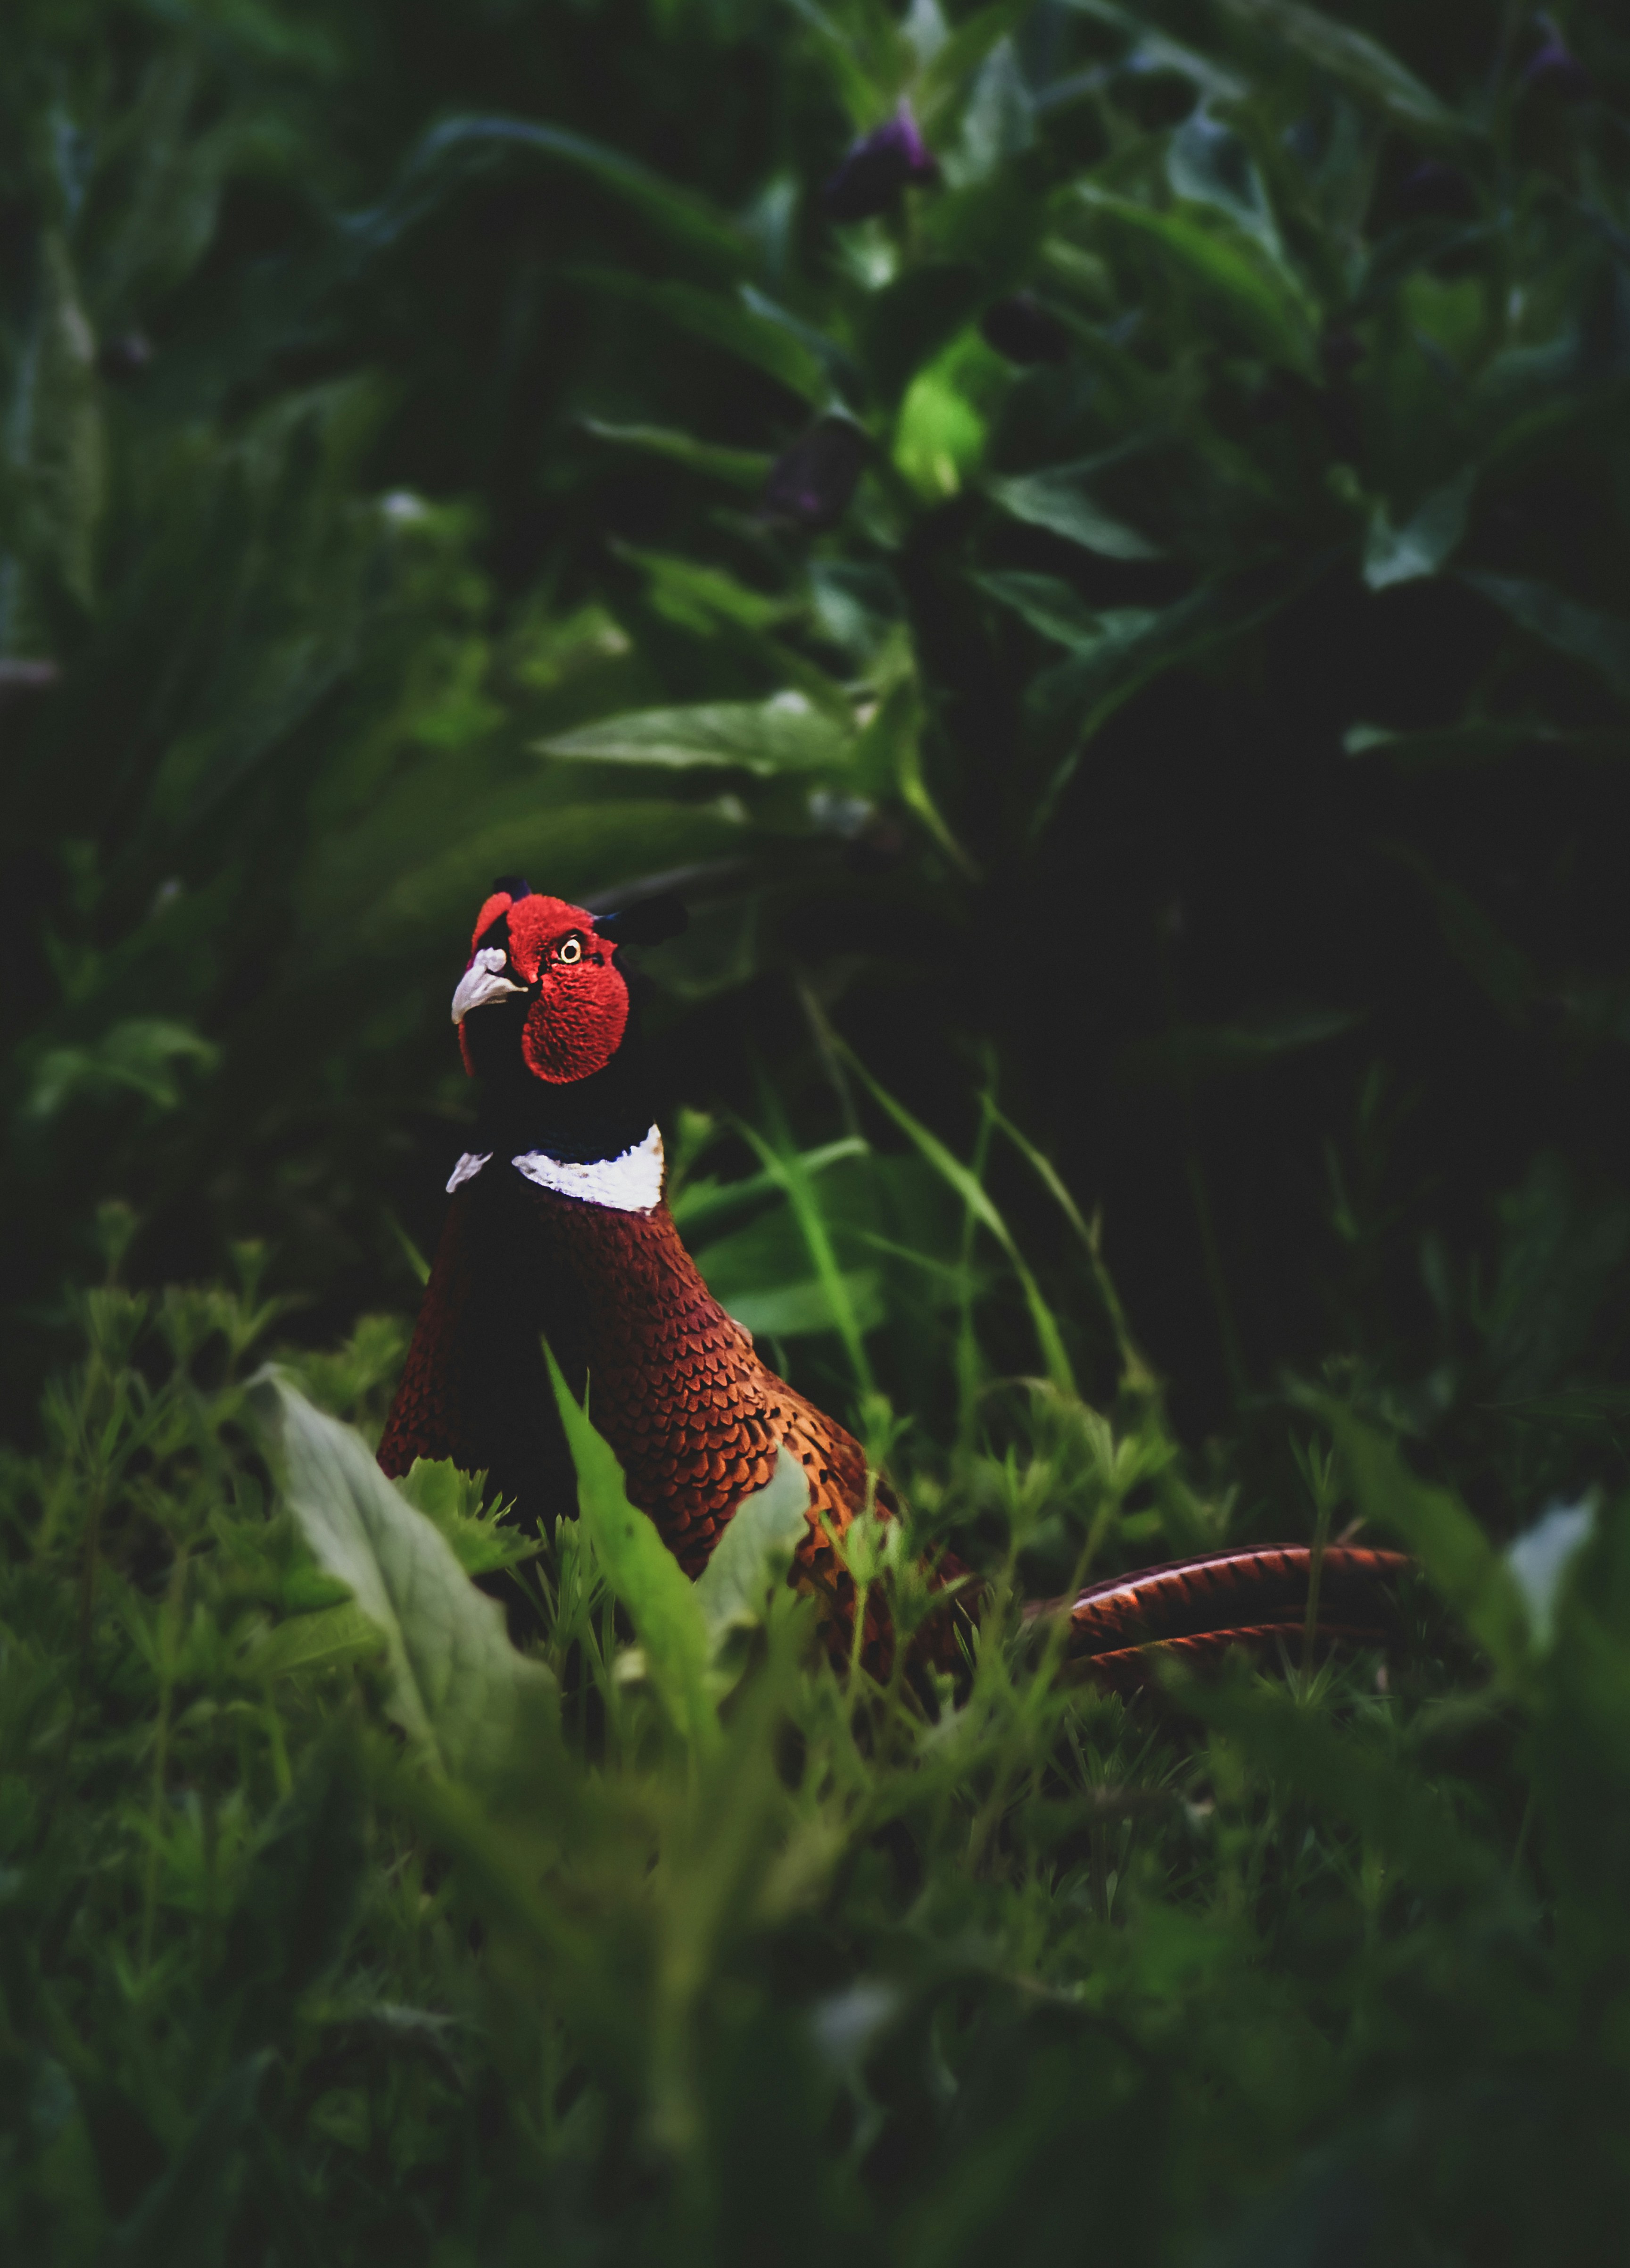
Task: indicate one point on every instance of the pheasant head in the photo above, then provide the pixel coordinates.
(550, 971)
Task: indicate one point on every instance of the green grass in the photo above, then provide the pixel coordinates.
(331, 1933)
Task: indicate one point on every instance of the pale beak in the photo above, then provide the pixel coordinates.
(482, 982)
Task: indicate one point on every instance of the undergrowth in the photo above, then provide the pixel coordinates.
(340, 1926)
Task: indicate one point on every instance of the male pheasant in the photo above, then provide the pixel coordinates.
(558, 1230)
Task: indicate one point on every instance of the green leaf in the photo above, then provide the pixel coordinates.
(457, 145)
(1209, 164)
(727, 323)
(743, 469)
(1602, 641)
(849, 1302)
(458, 1687)
(945, 74)
(141, 1056)
(751, 1557)
(1269, 308)
(1058, 610)
(452, 1502)
(1359, 63)
(786, 733)
(644, 1575)
(1456, 1557)
(327, 1639)
(701, 598)
(1057, 499)
(1425, 541)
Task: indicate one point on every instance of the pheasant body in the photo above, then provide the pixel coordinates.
(695, 1418)
(558, 1231)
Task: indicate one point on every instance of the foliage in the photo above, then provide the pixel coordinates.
(1124, 644)
(1263, 1969)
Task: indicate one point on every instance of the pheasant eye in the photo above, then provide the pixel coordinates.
(571, 951)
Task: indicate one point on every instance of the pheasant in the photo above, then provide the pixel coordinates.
(558, 1231)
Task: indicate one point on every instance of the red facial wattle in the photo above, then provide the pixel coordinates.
(579, 1008)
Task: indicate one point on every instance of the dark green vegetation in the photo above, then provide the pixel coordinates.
(1185, 770)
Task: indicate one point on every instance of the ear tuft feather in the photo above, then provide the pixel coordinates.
(648, 922)
(516, 884)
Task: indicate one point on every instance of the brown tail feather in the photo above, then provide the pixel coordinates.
(1194, 1609)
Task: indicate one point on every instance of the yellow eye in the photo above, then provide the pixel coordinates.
(572, 950)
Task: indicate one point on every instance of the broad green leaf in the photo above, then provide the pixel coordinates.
(458, 1687)
(850, 1303)
(457, 145)
(661, 1599)
(1352, 57)
(751, 1557)
(700, 598)
(1209, 165)
(1057, 498)
(452, 1502)
(835, 360)
(327, 1639)
(956, 58)
(888, 761)
(1602, 641)
(1058, 610)
(1425, 540)
(1456, 1557)
(381, 884)
(1155, 51)
(743, 469)
(786, 733)
(726, 323)
(998, 121)
(1270, 309)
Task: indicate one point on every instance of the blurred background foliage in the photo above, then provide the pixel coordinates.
(1092, 542)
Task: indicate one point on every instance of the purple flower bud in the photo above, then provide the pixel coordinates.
(811, 482)
(1553, 69)
(878, 167)
(1021, 328)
